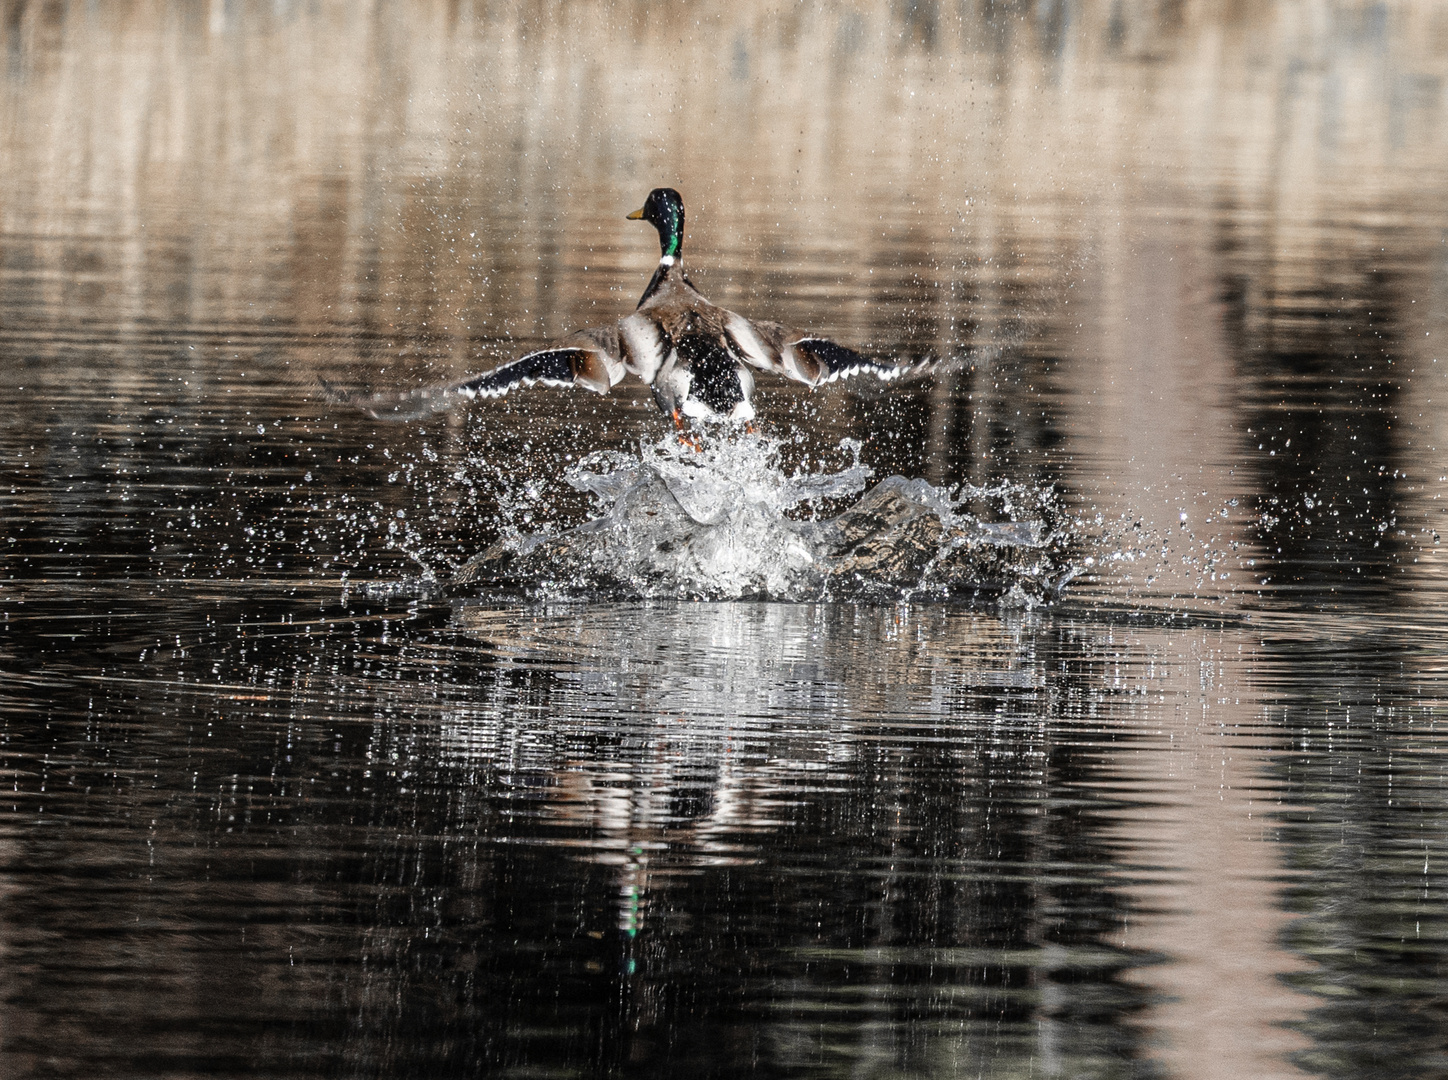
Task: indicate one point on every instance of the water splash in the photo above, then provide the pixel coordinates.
(727, 521)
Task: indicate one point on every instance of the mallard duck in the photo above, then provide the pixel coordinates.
(694, 355)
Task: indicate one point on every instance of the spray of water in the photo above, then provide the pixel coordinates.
(724, 520)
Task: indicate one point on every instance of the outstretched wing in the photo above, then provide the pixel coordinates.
(806, 358)
(587, 358)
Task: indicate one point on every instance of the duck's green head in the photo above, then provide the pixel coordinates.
(664, 210)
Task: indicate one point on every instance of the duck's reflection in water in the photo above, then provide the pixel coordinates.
(890, 835)
(718, 718)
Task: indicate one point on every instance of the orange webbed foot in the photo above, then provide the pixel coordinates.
(688, 438)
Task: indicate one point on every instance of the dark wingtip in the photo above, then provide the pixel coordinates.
(412, 405)
(333, 394)
(904, 371)
(929, 366)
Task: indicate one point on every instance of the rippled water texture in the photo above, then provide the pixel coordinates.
(1073, 712)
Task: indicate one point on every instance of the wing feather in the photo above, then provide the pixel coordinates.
(587, 358)
(644, 346)
(806, 358)
(830, 362)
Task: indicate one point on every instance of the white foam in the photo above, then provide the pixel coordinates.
(727, 521)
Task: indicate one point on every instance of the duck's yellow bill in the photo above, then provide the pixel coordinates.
(637, 215)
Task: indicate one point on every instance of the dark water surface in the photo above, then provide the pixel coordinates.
(277, 801)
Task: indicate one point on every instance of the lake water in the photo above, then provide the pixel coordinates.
(1163, 797)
